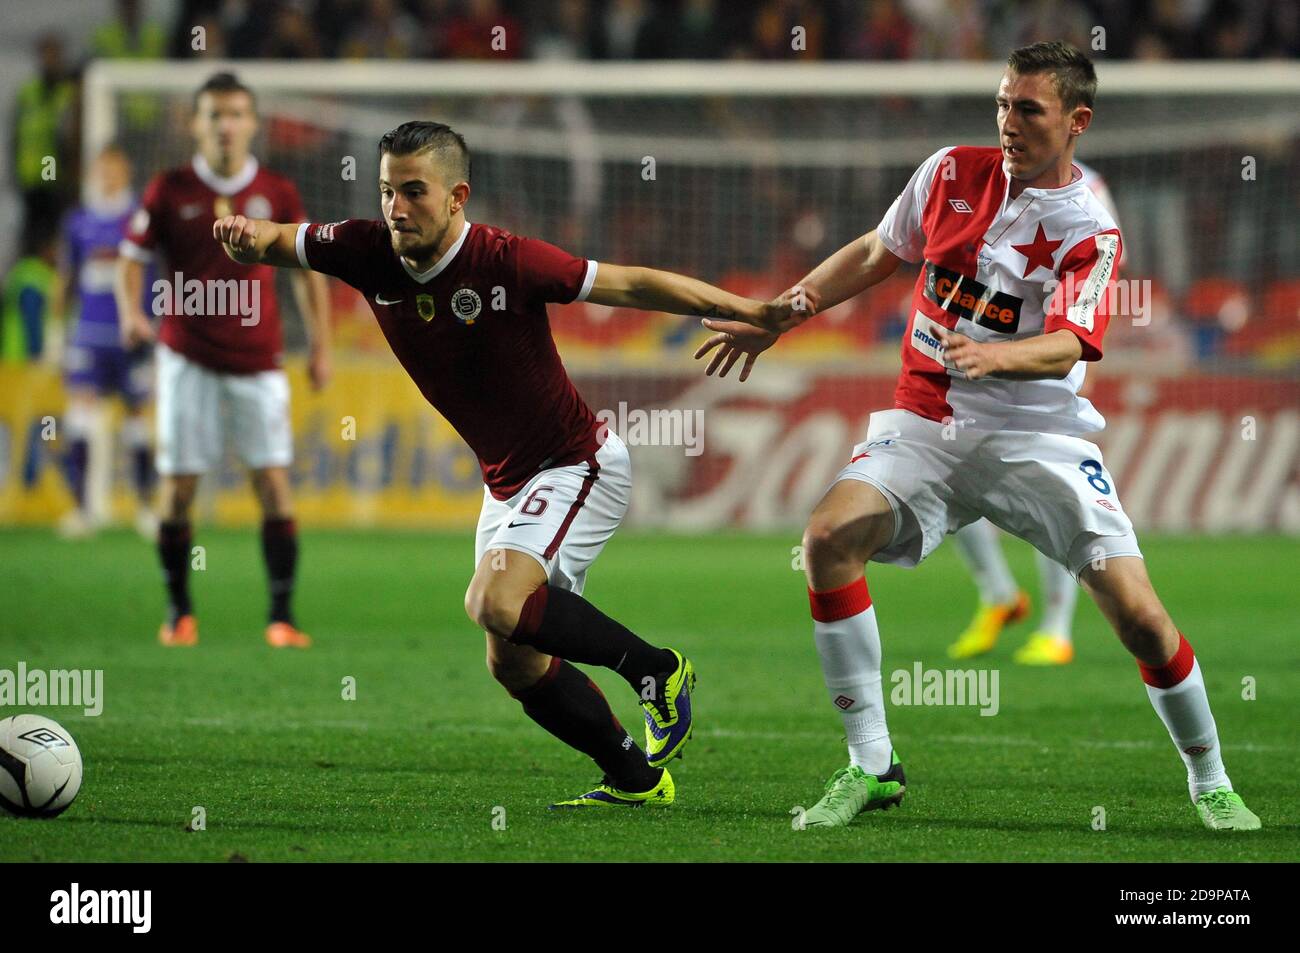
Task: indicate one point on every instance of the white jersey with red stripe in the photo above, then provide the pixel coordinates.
(996, 268)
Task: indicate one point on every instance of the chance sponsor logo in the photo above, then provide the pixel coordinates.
(967, 298)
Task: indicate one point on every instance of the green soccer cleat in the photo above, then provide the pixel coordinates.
(1224, 810)
(606, 795)
(850, 791)
(669, 721)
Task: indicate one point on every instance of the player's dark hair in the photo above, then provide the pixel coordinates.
(224, 83)
(448, 145)
(1072, 72)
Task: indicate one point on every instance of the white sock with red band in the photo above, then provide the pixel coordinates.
(1177, 693)
(848, 644)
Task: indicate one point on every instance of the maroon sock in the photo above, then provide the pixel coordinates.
(559, 622)
(174, 539)
(280, 550)
(569, 705)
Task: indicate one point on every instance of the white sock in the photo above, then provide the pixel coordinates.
(1060, 593)
(1185, 710)
(981, 551)
(848, 644)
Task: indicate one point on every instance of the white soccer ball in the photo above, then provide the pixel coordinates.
(40, 766)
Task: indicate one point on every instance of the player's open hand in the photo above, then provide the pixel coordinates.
(973, 358)
(239, 235)
(733, 340)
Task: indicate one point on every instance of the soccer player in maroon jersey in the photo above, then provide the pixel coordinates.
(219, 348)
(464, 309)
(1012, 301)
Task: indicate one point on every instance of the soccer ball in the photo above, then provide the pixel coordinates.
(40, 766)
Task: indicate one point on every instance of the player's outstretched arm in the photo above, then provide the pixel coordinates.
(853, 269)
(624, 286)
(252, 241)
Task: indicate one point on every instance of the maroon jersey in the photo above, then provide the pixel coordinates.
(177, 212)
(473, 333)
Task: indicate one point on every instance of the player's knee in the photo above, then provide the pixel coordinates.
(1143, 626)
(493, 608)
(818, 541)
(827, 543)
(177, 497)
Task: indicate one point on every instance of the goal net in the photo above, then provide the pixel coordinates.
(748, 175)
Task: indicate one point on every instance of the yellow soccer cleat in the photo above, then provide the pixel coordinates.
(1043, 648)
(606, 795)
(982, 633)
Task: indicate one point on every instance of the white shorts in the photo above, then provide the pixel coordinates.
(563, 516)
(195, 401)
(1051, 490)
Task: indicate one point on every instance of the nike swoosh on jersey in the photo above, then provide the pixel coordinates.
(512, 525)
(380, 300)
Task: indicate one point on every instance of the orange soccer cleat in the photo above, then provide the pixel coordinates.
(184, 632)
(282, 635)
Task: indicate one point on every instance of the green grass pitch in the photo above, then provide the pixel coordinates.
(431, 752)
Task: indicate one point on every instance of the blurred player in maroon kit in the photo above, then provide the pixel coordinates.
(221, 364)
(464, 308)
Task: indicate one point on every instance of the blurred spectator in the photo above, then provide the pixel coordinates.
(565, 33)
(619, 31)
(383, 32)
(130, 36)
(789, 29)
(42, 161)
(946, 29)
(214, 39)
(293, 36)
(700, 29)
(485, 31)
(27, 293)
(885, 33)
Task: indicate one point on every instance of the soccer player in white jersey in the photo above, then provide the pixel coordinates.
(1001, 600)
(1009, 307)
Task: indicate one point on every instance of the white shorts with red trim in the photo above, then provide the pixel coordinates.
(563, 516)
(1051, 490)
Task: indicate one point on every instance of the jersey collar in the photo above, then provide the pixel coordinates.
(1069, 190)
(225, 186)
(438, 266)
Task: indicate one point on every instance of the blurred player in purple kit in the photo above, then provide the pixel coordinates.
(97, 364)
